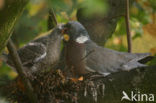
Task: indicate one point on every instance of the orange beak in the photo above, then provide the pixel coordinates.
(66, 37)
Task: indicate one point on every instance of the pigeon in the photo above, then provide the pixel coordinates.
(85, 56)
(40, 54)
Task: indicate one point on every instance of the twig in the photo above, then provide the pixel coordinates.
(18, 65)
(129, 40)
(87, 54)
(52, 21)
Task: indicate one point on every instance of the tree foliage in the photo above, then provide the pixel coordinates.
(8, 17)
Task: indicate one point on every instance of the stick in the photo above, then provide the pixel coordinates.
(19, 68)
(87, 54)
(129, 41)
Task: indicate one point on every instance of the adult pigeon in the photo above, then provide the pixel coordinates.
(83, 55)
(40, 54)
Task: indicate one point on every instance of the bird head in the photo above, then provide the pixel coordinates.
(74, 31)
(57, 31)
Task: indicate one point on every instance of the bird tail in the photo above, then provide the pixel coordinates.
(138, 61)
(146, 59)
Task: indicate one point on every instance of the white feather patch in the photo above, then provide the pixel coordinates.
(42, 46)
(60, 26)
(32, 44)
(41, 57)
(106, 74)
(82, 39)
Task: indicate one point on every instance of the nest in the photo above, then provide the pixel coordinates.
(54, 87)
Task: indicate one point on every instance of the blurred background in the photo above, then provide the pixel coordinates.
(34, 22)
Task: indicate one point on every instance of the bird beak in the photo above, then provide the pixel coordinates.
(66, 37)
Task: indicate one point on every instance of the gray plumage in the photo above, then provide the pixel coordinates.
(106, 61)
(40, 54)
(101, 60)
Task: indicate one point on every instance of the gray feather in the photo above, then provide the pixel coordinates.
(105, 60)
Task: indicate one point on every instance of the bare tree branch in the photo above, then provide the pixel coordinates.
(16, 60)
(129, 41)
(90, 52)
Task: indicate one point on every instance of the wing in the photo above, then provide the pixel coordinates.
(105, 60)
(102, 60)
(31, 53)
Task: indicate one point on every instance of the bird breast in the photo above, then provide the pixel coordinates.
(74, 53)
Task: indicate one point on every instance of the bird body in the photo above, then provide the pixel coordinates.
(40, 54)
(102, 60)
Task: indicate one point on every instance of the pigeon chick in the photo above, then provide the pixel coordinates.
(84, 56)
(40, 54)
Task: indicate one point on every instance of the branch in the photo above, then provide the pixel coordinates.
(129, 41)
(137, 80)
(9, 14)
(18, 65)
(90, 52)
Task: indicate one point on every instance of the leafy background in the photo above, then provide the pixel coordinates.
(33, 23)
